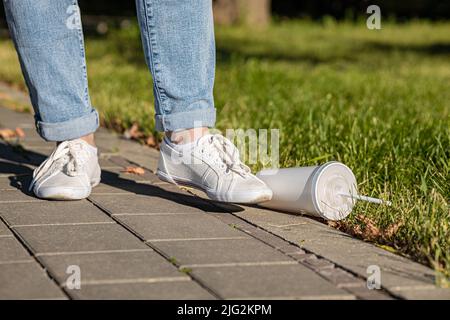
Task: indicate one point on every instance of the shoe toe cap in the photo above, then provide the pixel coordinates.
(73, 188)
(252, 190)
(62, 193)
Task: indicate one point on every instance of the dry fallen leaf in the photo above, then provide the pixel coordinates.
(4, 96)
(133, 132)
(391, 230)
(7, 133)
(371, 231)
(151, 142)
(134, 170)
(20, 133)
(356, 231)
(333, 224)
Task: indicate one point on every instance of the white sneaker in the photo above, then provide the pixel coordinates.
(211, 164)
(69, 173)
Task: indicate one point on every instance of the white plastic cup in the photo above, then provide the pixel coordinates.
(315, 191)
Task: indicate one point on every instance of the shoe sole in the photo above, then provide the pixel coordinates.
(65, 197)
(244, 198)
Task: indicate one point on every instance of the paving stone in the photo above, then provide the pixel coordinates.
(155, 201)
(220, 252)
(338, 247)
(42, 151)
(341, 278)
(16, 195)
(113, 267)
(141, 155)
(9, 153)
(121, 161)
(136, 184)
(318, 264)
(17, 95)
(291, 249)
(29, 129)
(27, 281)
(108, 140)
(433, 293)
(106, 150)
(276, 219)
(219, 207)
(119, 175)
(4, 230)
(126, 185)
(31, 137)
(11, 250)
(106, 133)
(8, 168)
(21, 161)
(203, 204)
(176, 290)
(37, 143)
(266, 282)
(301, 256)
(260, 234)
(52, 212)
(134, 188)
(272, 240)
(179, 226)
(33, 158)
(364, 293)
(10, 118)
(176, 189)
(78, 238)
(6, 184)
(105, 163)
(104, 188)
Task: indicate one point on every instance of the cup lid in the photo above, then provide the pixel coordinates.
(331, 181)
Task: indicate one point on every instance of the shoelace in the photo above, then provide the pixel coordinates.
(69, 156)
(224, 153)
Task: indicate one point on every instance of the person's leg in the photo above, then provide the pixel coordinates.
(49, 41)
(178, 40)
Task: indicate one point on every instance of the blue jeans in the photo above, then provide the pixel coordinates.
(178, 41)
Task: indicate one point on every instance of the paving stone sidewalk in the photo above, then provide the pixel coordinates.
(136, 237)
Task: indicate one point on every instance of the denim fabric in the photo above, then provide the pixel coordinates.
(178, 41)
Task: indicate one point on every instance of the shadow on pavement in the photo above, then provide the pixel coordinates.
(14, 160)
(113, 179)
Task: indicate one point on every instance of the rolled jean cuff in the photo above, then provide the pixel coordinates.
(186, 120)
(70, 129)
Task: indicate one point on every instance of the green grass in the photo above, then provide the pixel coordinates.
(376, 100)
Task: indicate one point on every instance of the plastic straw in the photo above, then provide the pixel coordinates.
(368, 199)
